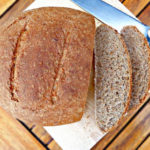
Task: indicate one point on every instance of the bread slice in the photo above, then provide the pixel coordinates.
(139, 51)
(45, 62)
(112, 77)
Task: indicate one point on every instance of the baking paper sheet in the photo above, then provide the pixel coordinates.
(84, 134)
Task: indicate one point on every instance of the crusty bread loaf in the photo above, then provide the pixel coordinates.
(112, 77)
(139, 51)
(45, 63)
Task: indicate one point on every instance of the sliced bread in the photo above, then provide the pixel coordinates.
(139, 52)
(113, 77)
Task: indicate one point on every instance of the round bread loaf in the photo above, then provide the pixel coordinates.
(45, 63)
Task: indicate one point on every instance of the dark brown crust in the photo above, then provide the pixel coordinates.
(50, 74)
(130, 67)
(148, 48)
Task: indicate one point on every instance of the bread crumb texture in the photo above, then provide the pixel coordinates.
(45, 62)
(112, 77)
(140, 59)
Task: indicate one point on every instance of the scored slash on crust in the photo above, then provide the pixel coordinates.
(13, 88)
(53, 94)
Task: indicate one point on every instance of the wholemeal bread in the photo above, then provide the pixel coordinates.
(112, 77)
(45, 63)
(139, 51)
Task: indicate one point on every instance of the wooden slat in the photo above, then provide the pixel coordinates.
(145, 15)
(39, 131)
(46, 138)
(29, 125)
(135, 6)
(4, 5)
(112, 134)
(145, 145)
(134, 133)
(15, 10)
(54, 146)
(121, 1)
(43, 135)
(13, 136)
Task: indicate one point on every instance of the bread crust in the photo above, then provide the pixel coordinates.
(130, 85)
(148, 50)
(46, 58)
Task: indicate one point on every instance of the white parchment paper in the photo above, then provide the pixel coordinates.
(84, 134)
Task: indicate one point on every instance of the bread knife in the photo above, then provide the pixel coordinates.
(112, 16)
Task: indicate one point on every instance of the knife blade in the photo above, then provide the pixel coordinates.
(111, 15)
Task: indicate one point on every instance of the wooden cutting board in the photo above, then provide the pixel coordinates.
(5, 4)
(143, 142)
(83, 134)
(13, 136)
(132, 133)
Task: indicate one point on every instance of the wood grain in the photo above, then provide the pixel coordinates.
(108, 138)
(145, 15)
(135, 6)
(122, 1)
(134, 133)
(114, 131)
(39, 131)
(43, 136)
(15, 10)
(5, 4)
(46, 138)
(13, 136)
(145, 145)
(54, 146)
(30, 125)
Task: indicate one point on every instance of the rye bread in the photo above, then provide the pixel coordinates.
(45, 62)
(139, 52)
(113, 75)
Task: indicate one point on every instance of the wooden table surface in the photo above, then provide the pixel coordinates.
(132, 133)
